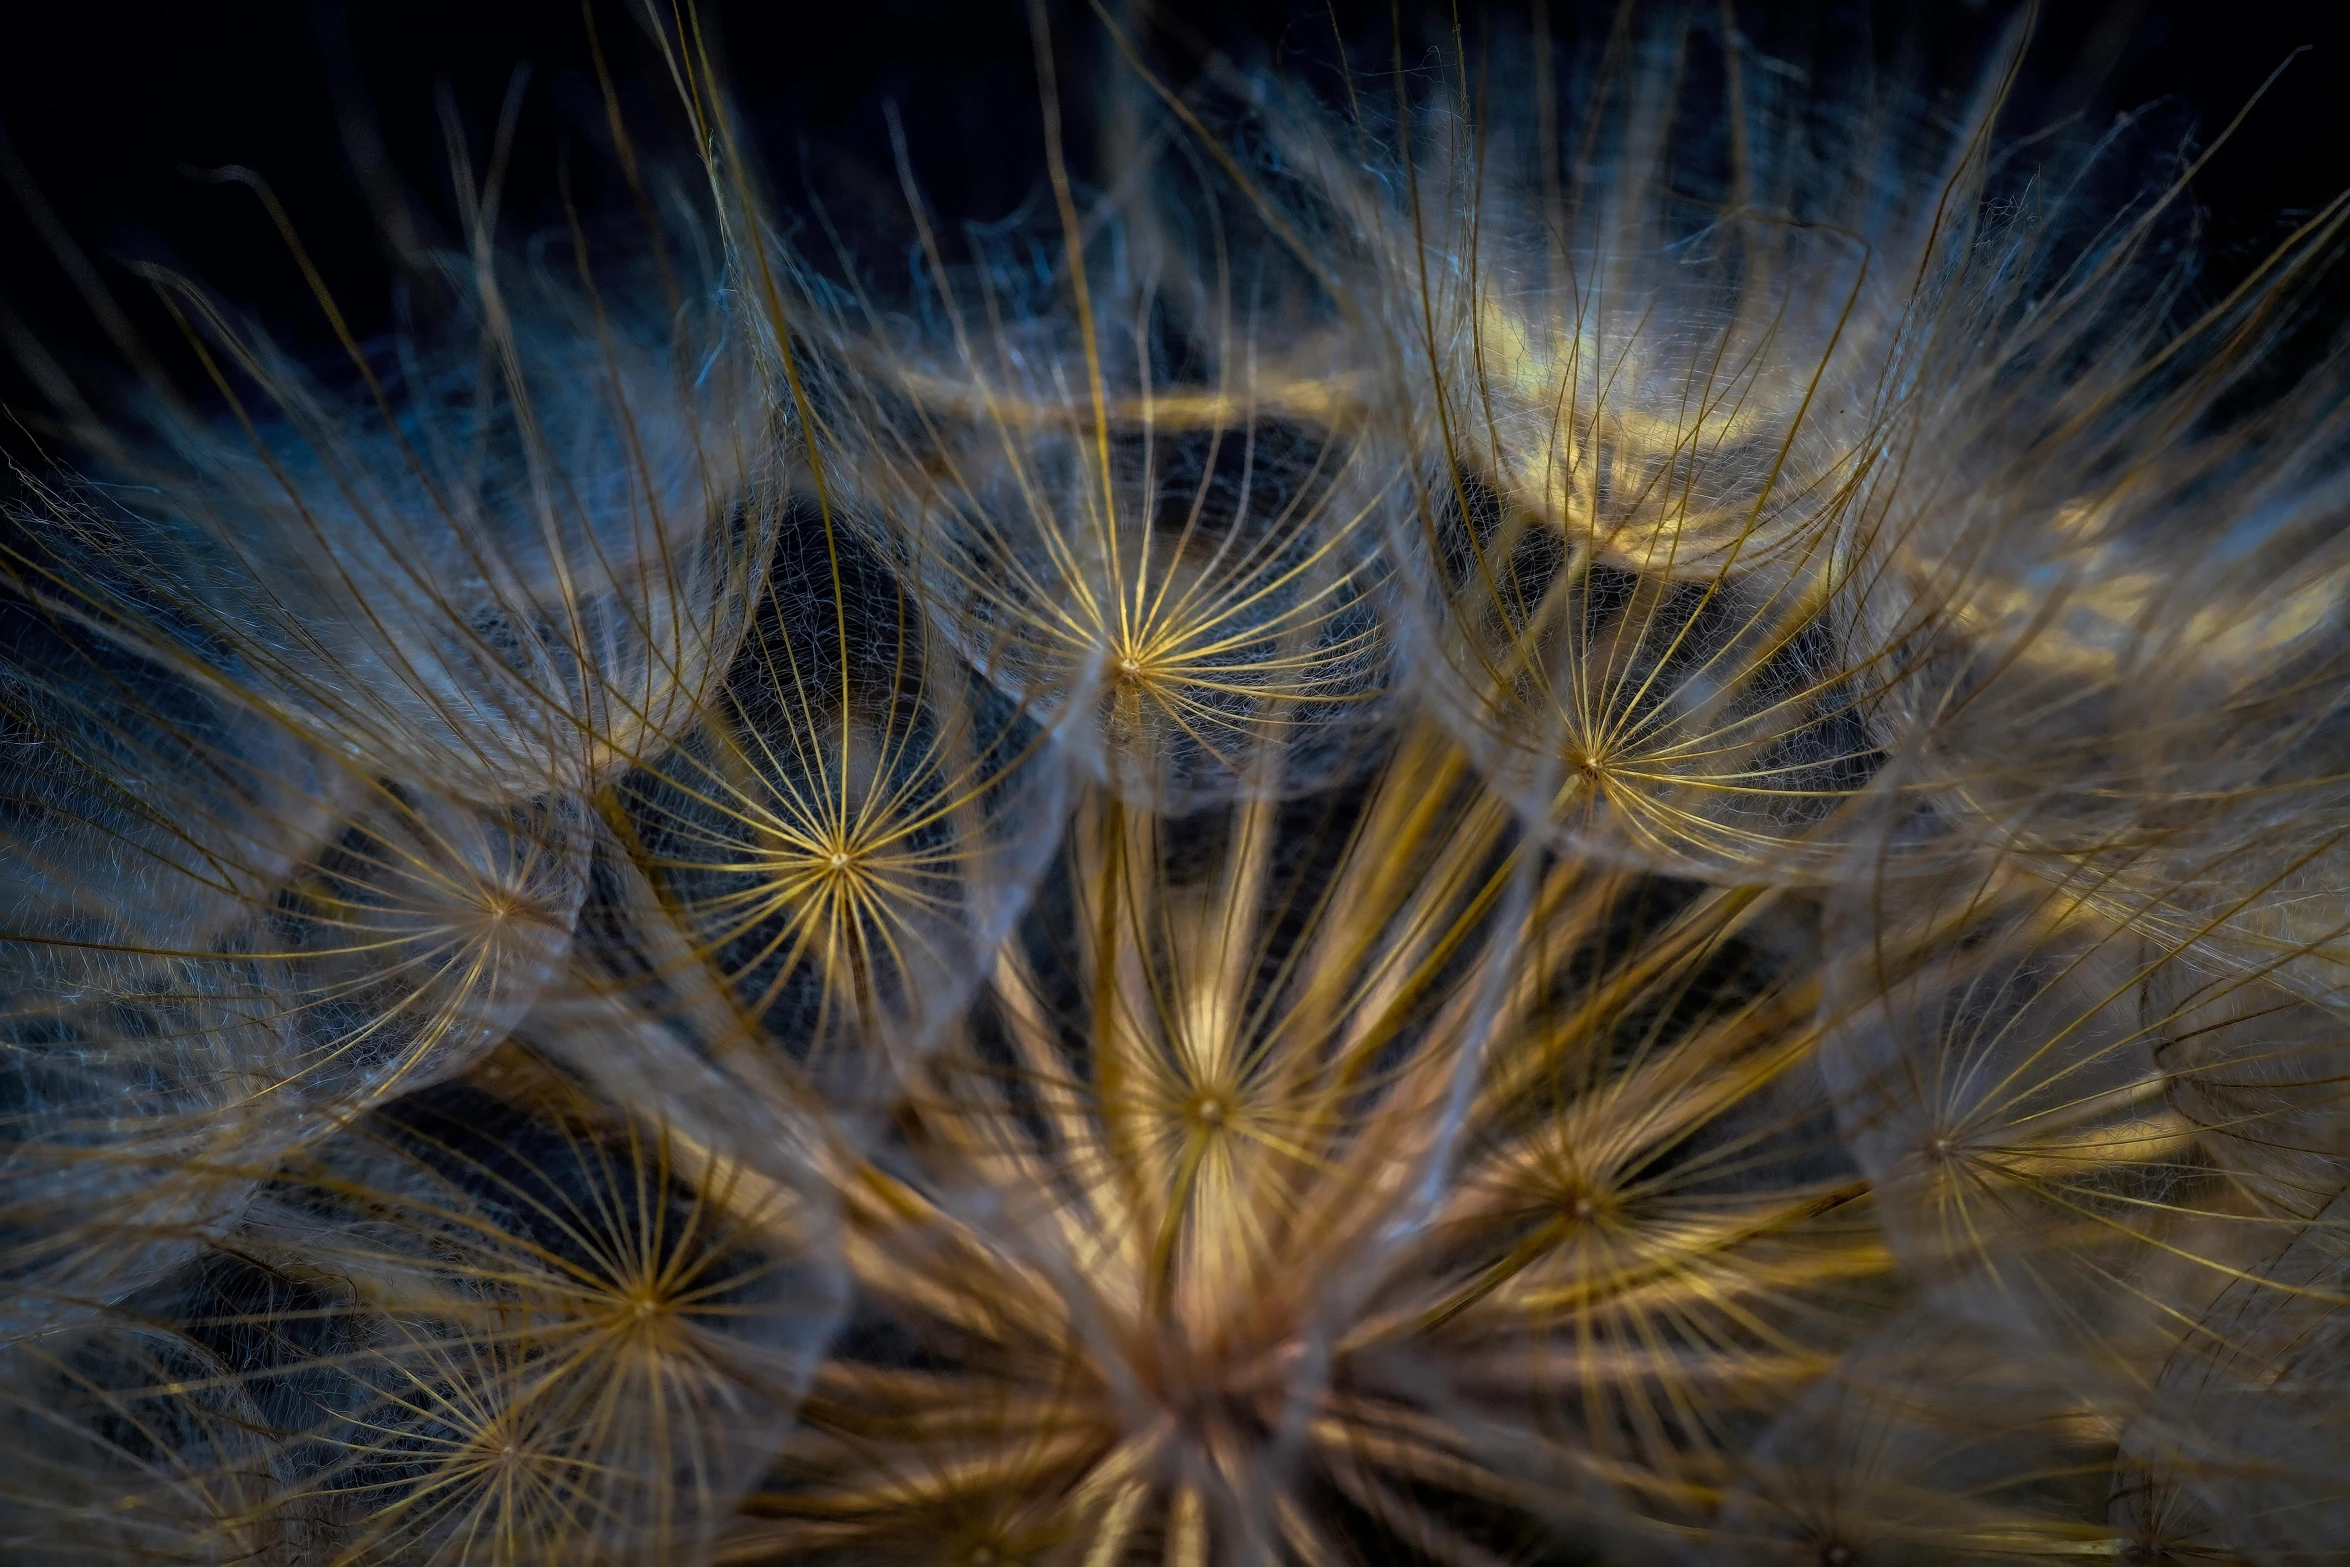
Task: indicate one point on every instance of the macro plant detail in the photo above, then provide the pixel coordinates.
(1575, 800)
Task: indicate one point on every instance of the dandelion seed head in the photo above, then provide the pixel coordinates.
(1583, 803)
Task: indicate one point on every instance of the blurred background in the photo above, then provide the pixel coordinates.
(114, 112)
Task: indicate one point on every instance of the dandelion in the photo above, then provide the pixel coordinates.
(1577, 803)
